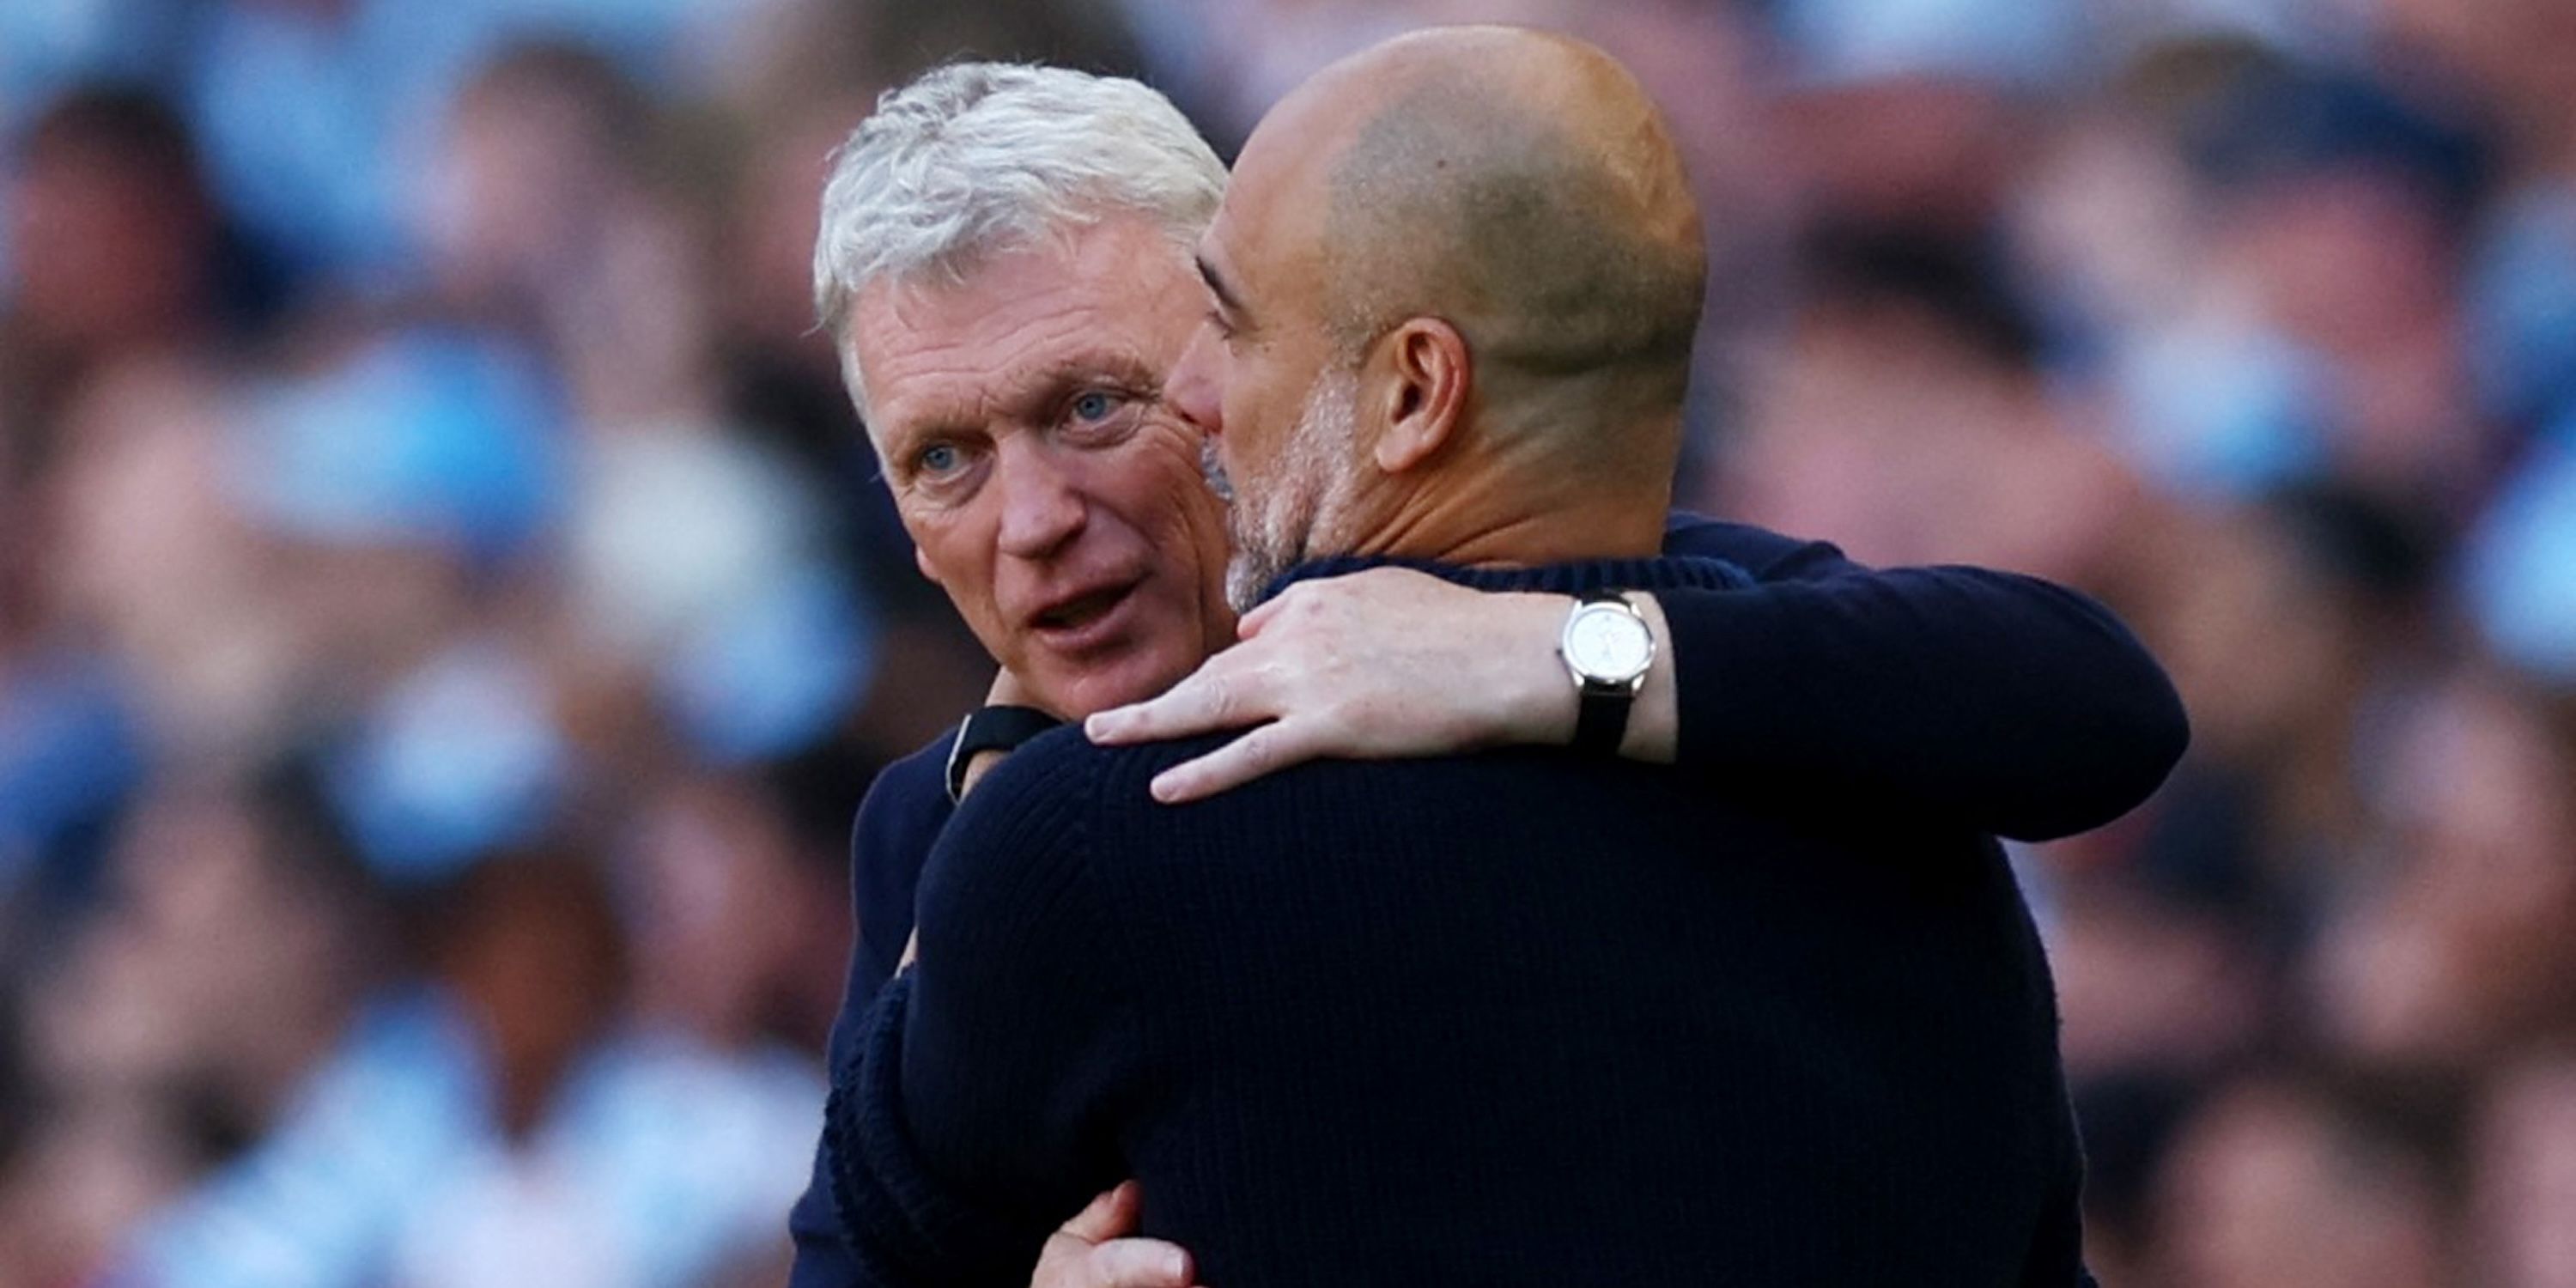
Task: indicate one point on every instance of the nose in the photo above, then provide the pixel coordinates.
(1042, 509)
(1192, 390)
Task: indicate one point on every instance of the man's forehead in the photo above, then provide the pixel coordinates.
(948, 382)
(1023, 386)
(1108, 298)
(1114, 268)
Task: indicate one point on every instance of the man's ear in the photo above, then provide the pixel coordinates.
(1426, 392)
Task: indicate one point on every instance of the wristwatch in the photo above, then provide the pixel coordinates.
(1607, 647)
(995, 728)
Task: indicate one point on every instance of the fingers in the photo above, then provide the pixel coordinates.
(1265, 750)
(1091, 1252)
(1219, 695)
(1109, 1216)
(1252, 622)
(1134, 1263)
(1206, 703)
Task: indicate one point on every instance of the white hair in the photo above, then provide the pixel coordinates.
(976, 158)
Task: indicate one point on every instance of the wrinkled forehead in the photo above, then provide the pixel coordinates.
(1106, 303)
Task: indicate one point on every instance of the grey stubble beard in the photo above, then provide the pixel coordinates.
(1302, 509)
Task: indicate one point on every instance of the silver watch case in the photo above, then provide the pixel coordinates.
(1607, 644)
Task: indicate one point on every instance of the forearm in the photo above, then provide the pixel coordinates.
(972, 1115)
(900, 1222)
(1655, 721)
(814, 1227)
(1536, 701)
(2013, 705)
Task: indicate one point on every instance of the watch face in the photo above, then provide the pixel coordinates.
(1608, 644)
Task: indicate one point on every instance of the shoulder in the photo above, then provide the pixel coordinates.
(1768, 555)
(1059, 779)
(899, 820)
(1061, 801)
(1043, 841)
(909, 798)
(1055, 792)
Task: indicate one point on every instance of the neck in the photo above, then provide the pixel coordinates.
(1625, 528)
(1506, 513)
(1575, 577)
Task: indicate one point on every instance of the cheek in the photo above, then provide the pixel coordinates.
(1160, 490)
(1242, 412)
(1183, 501)
(1255, 430)
(955, 550)
(941, 542)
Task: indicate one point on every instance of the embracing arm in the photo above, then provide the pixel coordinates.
(971, 1117)
(897, 824)
(2014, 705)
(2009, 704)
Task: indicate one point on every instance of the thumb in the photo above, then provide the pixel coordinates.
(1250, 623)
(1111, 1215)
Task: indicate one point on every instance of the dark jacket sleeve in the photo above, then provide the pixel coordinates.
(898, 823)
(2009, 704)
(901, 819)
(975, 1114)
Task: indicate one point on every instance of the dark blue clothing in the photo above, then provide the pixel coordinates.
(1999, 702)
(1519, 1017)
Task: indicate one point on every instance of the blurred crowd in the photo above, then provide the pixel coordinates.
(448, 616)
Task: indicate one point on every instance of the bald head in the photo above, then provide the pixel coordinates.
(1522, 186)
(1455, 281)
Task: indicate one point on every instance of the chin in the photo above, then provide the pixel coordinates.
(1131, 677)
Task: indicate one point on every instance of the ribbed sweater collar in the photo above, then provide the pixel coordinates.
(1657, 573)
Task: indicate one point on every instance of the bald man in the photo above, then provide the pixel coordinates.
(1525, 1017)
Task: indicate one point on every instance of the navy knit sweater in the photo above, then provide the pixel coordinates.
(2000, 702)
(1512, 1018)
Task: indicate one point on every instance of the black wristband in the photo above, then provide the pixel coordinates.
(1601, 720)
(991, 729)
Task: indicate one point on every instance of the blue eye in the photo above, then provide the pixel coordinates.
(938, 458)
(1095, 405)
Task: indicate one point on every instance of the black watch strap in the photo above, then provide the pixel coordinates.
(998, 728)
(1601, 710)
(1601, 719)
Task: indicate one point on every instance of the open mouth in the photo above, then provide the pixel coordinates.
(1076, 613)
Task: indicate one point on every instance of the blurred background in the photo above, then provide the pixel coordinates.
(447, 616)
